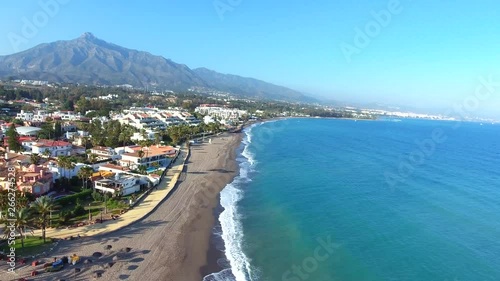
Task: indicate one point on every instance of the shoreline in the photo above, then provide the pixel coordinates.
(212, 253)
(170, 243)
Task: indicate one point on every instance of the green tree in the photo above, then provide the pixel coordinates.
(68, 105)
(142, 169)
(58, 132)
(65, 163)
(64, 217)
(96, 196)
(42, 207)
(35, 158)
(13, 139)
(83, 105)
(47, 153)
(175, 133)
(93, 158)
(84, 174)
(20, 221)
(47, 131)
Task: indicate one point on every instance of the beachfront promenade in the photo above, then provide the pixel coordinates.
(146, 205)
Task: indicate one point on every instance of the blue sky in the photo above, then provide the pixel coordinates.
(430, 54)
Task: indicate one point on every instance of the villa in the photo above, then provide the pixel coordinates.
(104, 153)
(56, 148)
(161, 155)
(119, 184)
(33, 179)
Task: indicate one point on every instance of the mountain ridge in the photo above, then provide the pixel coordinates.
(90, 60)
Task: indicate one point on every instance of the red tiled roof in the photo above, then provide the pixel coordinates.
(51, 143)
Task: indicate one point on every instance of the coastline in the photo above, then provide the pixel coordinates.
(202, 245)
(170, 243)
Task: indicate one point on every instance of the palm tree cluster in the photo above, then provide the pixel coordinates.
(185, 132)
(35, 214)
(84, 174)
(65, 163)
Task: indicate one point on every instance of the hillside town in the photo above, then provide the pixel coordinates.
(42, 162)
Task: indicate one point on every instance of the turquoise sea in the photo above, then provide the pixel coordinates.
(327, 199)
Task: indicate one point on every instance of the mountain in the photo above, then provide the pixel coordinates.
(90, 60)
(249, 86)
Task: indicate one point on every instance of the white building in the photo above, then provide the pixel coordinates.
(28, 131)
(221, 113)
(40, 116)
(67, 115)
(56, 148)
(59, 172)
(25, 115)
(140, 121)
(120, 184)
(148, 135)
(104, 153)
(161, 155)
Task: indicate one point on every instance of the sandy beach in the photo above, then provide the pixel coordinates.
(172, 242)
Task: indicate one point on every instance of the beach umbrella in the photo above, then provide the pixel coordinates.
(97, 254)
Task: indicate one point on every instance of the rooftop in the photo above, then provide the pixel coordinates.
(153, 151)
(27, 130)
(51, 143)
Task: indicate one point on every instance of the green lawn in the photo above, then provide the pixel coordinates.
(32, 245)
(113, 206)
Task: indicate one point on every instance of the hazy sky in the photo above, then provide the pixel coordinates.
(424, 53)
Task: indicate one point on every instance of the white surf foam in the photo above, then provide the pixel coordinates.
(232, 232)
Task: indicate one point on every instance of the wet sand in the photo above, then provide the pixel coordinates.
(169, 244)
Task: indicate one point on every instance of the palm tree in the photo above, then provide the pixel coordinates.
(70, 165)
(175, 133)
(35, 158)
(19, 221)
(65, 163)
(84, 174)
(62, 162)
(42, 207)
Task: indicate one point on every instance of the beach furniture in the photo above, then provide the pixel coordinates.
(54, 268)
(74, 259)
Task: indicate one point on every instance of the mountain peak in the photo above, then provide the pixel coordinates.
(88, 35)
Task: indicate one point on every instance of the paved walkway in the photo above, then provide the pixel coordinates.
(148, 204)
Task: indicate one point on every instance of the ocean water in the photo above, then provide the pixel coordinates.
(325, 199)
